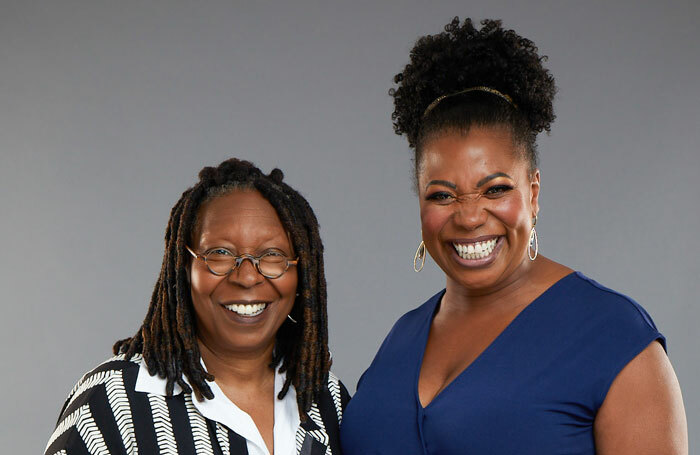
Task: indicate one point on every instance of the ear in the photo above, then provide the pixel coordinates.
(535, 192)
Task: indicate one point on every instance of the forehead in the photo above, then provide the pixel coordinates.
(241, 211)
(459, 156)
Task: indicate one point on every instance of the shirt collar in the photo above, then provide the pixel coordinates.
(222, 409)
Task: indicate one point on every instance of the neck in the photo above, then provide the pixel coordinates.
(241, 368)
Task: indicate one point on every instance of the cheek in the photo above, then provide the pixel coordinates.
(287, 285)
(201, 285)
(433, 218)
(512, 211)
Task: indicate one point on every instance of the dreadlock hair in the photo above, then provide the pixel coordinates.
(167, 338)
(464, 57)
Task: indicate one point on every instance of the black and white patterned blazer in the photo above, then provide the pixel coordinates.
(105, 415)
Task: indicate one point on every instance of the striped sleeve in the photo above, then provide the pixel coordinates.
(96, 418)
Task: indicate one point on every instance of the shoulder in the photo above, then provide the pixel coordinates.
(412, 322)
(111, 370)
(408, 327)
(402, 344)
(605, 328)
(610, 310)
(338, 391)
(101, 389)
(333, 399)
(324, 418)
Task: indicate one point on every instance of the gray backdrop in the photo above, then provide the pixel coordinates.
(108, 110)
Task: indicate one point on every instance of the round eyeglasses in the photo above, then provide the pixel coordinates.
(221, 262)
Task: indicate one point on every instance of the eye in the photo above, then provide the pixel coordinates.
(441, 197)
(218, 252)
(498, 190)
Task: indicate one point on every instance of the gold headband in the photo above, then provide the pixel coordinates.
(479, 88)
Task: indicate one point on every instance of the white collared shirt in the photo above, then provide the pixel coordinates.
(221, 409)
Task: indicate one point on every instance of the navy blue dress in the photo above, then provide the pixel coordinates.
(535, 390)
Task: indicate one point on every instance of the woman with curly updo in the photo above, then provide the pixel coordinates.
(232, 357)
(518, 354)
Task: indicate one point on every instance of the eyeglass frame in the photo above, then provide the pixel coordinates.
(238, 261)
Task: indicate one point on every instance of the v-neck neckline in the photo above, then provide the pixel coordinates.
(496, 341)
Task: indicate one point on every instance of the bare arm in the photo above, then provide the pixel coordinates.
(643, 411)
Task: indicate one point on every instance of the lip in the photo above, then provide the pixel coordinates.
(243, 302)
(483, 238)
(245, 320)
(477, 263)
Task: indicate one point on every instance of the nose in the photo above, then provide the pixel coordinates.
(246, 274)
(470, 212)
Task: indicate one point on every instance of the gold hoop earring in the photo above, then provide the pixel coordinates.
(420, 256)
(533, 243)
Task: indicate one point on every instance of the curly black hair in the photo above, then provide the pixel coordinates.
(462, 57)
(168, 336)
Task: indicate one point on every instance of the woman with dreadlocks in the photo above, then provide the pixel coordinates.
(232, 357)
(518, 354)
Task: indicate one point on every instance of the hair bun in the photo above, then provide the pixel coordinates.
(463, 57)
(277, 175)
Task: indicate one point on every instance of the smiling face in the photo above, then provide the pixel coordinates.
(228, 308)
(477, 201)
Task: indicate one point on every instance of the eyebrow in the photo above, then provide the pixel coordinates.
(481, 182)
(441, 182)
(491, 177)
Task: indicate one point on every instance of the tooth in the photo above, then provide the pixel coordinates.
(470, 248)
(477, 248)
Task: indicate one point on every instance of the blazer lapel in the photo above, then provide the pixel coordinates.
(312, 438)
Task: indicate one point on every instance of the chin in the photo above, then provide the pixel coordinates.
(475, 281)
